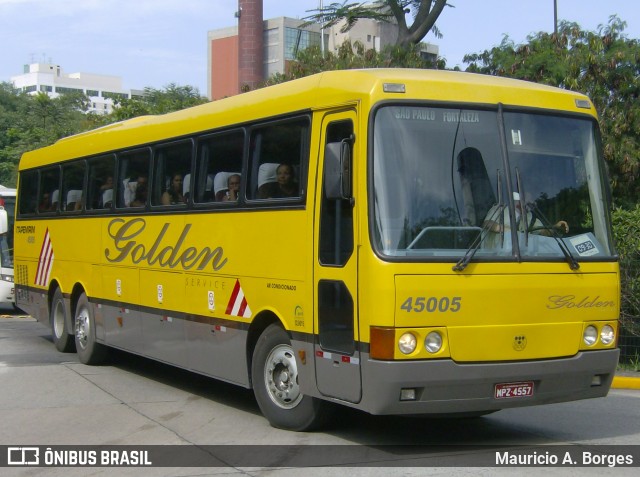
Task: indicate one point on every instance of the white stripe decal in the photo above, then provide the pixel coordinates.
(45, 261)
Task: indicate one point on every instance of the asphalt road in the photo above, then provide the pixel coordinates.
(48, 398)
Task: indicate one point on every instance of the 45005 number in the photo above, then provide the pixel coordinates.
(432, 304)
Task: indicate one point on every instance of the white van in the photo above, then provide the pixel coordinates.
(7, 211)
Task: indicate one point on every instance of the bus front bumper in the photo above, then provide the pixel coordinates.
(446, 387)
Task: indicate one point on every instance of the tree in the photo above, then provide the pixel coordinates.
(350, 56)
(626, 231)
(425, 14)
(29, 122)
(605, 65)
(156, 101)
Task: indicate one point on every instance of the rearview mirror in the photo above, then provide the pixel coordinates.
(337, 170)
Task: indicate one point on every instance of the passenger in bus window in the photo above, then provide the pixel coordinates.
(140, 199)
(78, 204)
(45, 203)
(54, 199)
(108, 184)
(285, 185)
(173, 195)
(106, 199)
(130, 188)
(104, 194)
(233, 185)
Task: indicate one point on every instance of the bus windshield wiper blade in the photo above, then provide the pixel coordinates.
(475, 245)
(571, 260)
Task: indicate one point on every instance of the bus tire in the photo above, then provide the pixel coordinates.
(274, 373)
(88, 349)
(58, 317)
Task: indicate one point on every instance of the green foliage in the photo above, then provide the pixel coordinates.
(626, 231)
(605, 65)
(425, 13)
(172, 98)
(353, 56)
(334, 13)
(30, 122)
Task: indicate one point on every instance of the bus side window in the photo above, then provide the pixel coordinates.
(219, 162)
(171, 165)
(72, 186)
(49, 185)
(278, 155)
(101, 182)
(133, 171)
(29, 200)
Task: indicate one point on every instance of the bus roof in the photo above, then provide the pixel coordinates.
(330, 88)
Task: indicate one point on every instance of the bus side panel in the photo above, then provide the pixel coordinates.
(163, 332)
(216, 345)
(217, 348)
(121, 323)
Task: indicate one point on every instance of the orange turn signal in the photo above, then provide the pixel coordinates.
(382, 343)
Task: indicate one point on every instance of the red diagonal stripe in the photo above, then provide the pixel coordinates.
(234, 295)
(243, 306)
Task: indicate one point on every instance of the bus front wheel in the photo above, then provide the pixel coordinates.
(275, 384)
(89, 350)
(58, 317)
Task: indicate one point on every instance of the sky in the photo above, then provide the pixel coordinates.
(157, 42)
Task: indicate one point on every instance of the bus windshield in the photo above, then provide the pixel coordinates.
(6, 256)
(450, 180)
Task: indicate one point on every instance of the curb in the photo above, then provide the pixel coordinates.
(625, 382)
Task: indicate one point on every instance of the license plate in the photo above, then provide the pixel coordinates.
(513, 390)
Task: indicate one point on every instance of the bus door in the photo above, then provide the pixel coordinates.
(336, 346)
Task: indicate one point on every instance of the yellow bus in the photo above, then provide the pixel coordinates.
(404, 242)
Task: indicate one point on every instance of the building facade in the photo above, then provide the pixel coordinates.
(51, 79)
(282, 38)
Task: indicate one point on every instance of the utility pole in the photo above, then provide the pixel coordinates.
(555, 17)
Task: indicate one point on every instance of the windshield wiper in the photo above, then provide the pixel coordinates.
(488, 224)
(475, 245)
(571, 260)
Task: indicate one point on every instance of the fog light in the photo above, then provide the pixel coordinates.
(407, 394)
(433, 342)
(407, 343)
(596, 380)
(607, 334)
(590, 335)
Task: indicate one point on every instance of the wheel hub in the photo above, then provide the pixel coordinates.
(281, 377)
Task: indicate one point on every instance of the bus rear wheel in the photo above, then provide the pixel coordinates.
(275, 384)
(88, 349)
(58, 318)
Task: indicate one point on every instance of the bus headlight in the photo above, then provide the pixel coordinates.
(7, 278)
(590, 335)
(607, 335)
(407, 343)
(433, 342)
